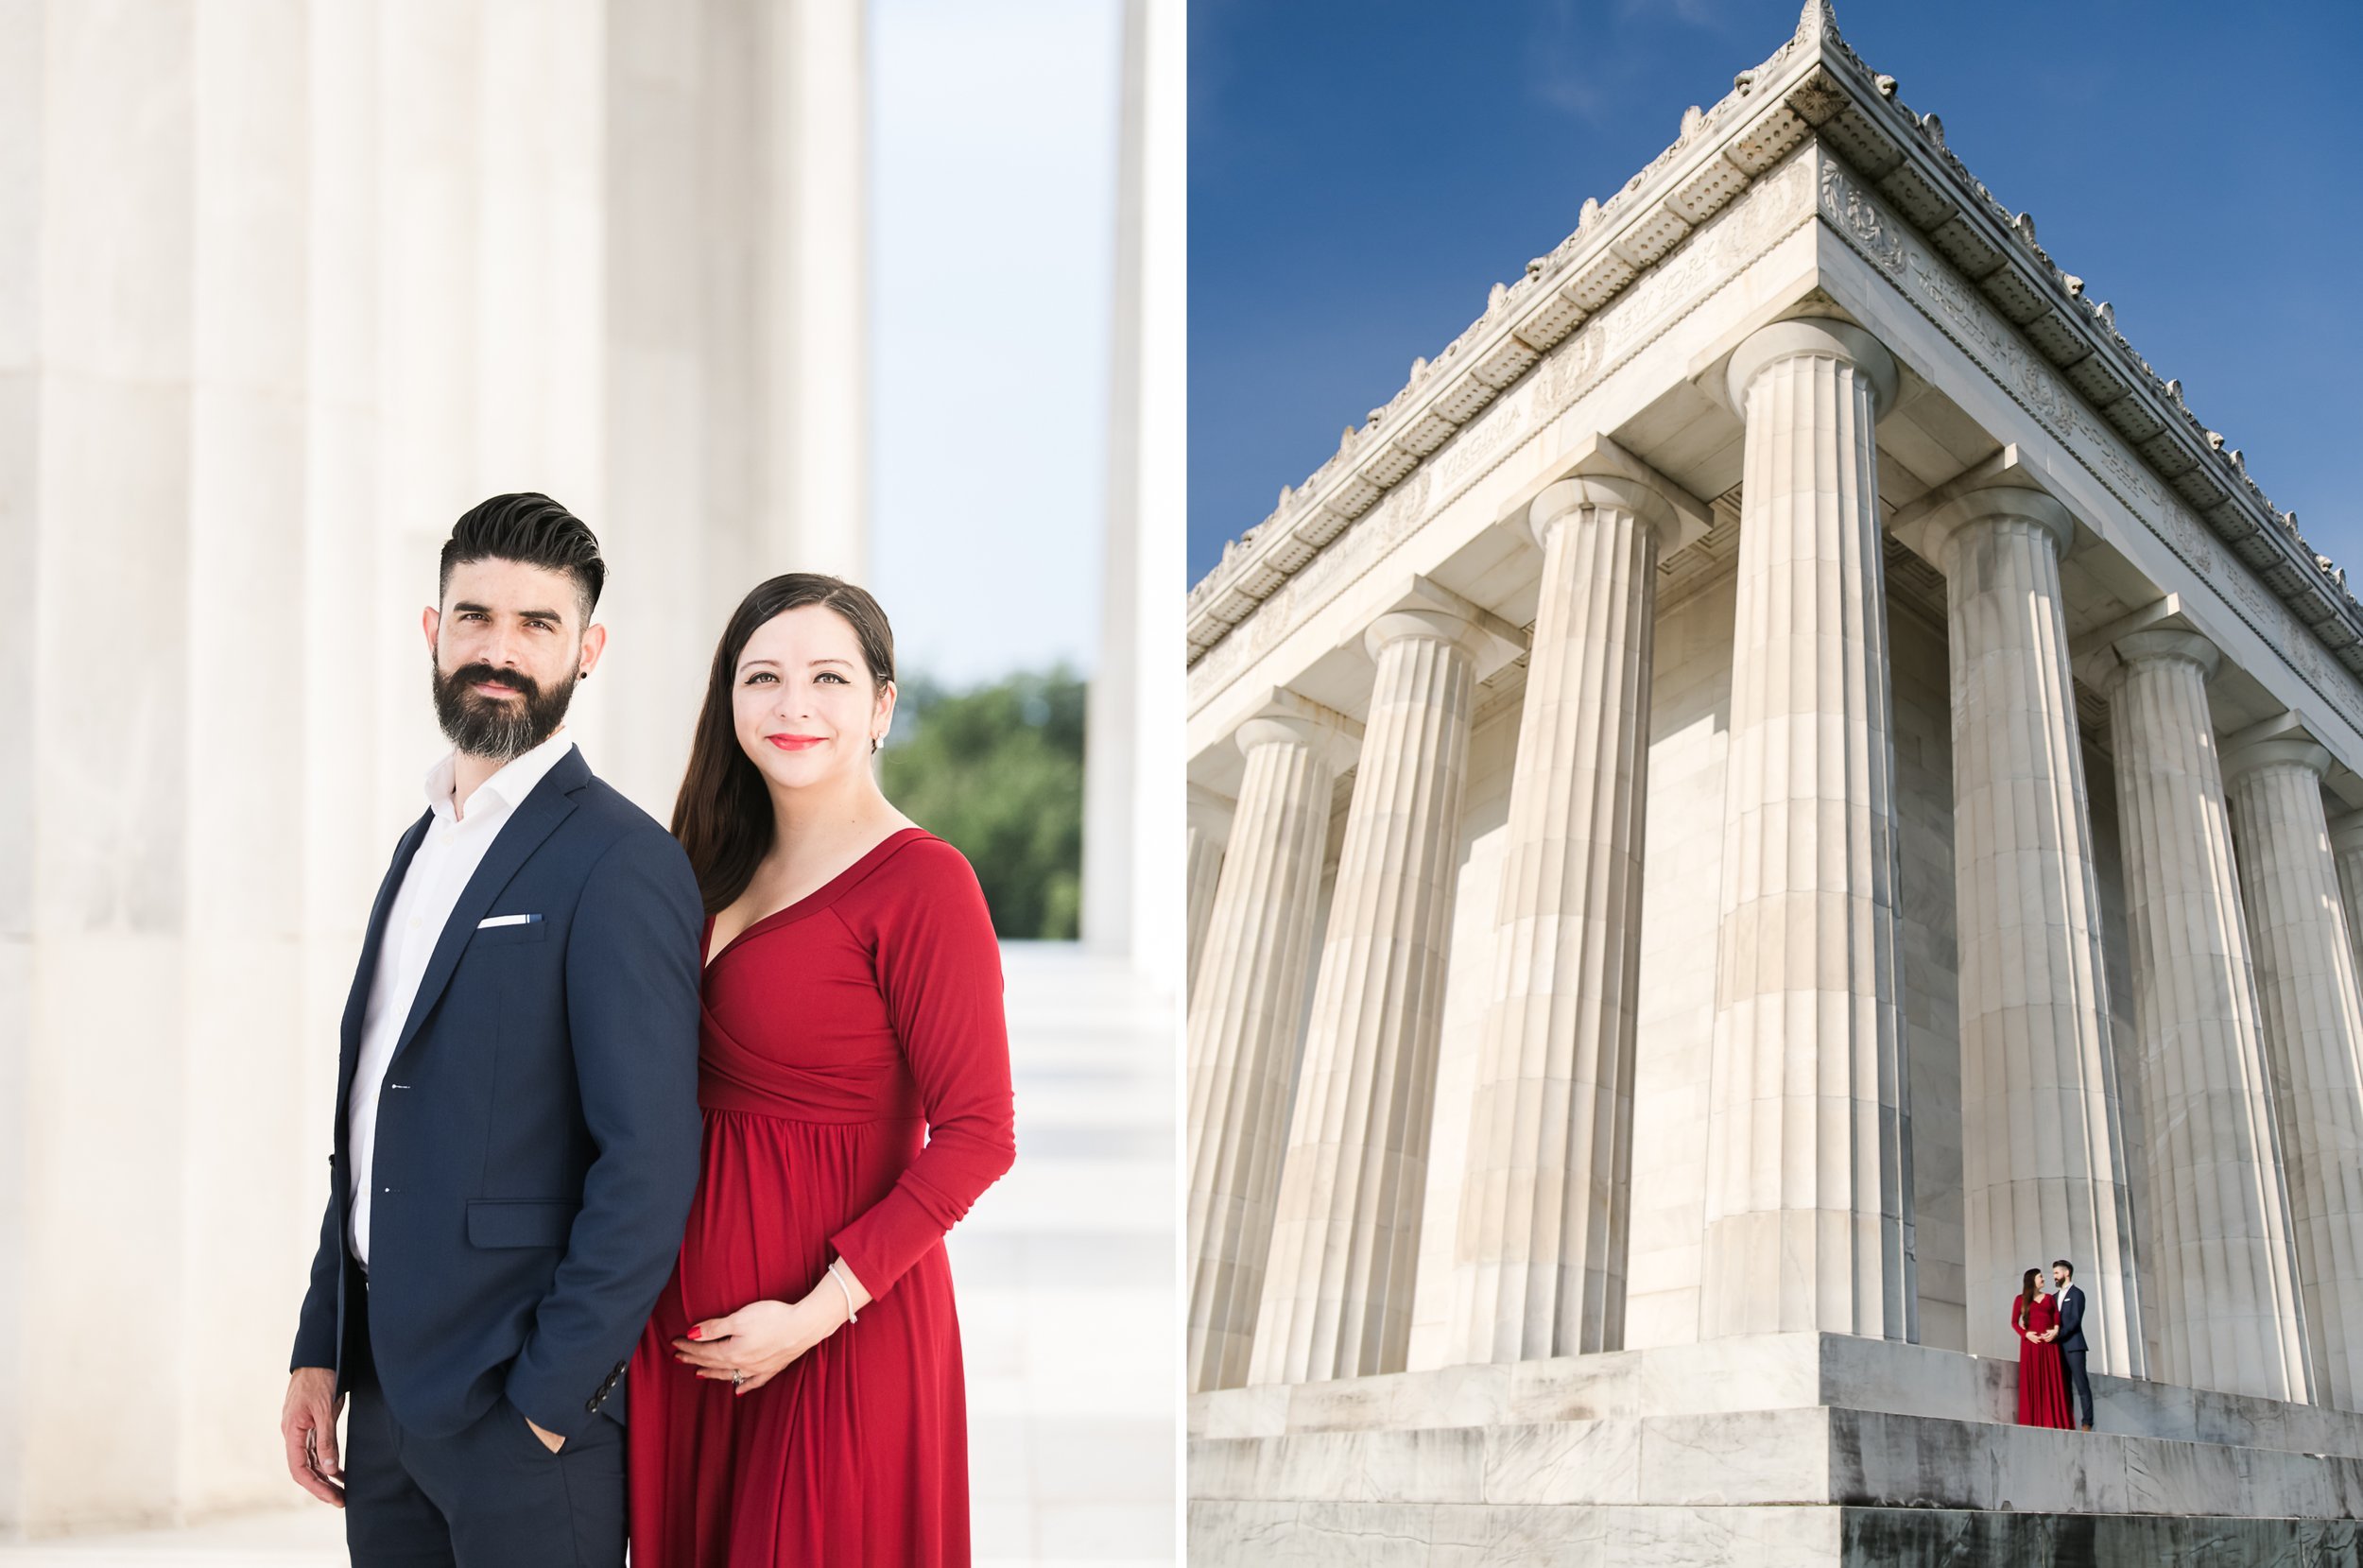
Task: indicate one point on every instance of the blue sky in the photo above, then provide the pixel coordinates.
(992, 268)
(1360, 174)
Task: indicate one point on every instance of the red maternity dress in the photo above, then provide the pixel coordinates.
(2042, 1399)
(855, 1070)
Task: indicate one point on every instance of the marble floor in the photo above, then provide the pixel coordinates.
(1067, 1280)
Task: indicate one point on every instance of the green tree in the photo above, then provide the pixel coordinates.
(997, 772)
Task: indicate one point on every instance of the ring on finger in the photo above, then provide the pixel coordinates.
(737, 1377)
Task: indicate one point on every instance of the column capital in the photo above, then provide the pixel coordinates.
(2165, 643)
(1573, 496)
(1440, 626)
(1282, 729)
(1429, 610)
(1995, 503)
(1289, 719)
(2292, 751)
(1676, 517)
(1821, 337)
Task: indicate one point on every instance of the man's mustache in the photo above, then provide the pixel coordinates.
(468, 676)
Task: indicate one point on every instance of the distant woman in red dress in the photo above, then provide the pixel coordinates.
(2042, 1381)
(797, 1397)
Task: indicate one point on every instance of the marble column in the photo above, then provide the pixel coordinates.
(1208, 828)
(1245, 1010)
(1135, 899)
(2043, 1149)
(2216, 1265)
(1346, 1239)
(1538, 1259)
(1808, 1201)
(2346, 848)
(2313, 1018)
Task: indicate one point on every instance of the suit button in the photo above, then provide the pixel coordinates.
(590, 1406)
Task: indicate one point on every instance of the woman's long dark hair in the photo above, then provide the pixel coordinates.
(2027, 1291)
(723, 814)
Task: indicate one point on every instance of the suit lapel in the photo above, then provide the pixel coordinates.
(551, 802)
(372, 944)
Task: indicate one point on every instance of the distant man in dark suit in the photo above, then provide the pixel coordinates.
(517, 1124)
(2071, 1341)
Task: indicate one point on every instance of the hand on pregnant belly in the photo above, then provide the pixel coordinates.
(750, 1346)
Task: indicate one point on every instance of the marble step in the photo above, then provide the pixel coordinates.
(1785, 1457)
(1460, 1535)
(1754, 1373)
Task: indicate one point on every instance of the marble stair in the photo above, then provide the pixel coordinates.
(1775, 1451)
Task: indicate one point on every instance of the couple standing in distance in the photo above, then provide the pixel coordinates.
(686, 1114)
(2051, 1350)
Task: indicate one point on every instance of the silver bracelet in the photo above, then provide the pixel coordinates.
(851, 1316)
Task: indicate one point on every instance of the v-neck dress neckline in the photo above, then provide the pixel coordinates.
(812, 902)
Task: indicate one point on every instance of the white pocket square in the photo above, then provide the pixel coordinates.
(491, 921)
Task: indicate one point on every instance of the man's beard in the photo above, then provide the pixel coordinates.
(501, 728)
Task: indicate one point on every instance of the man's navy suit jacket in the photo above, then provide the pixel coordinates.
(538, 1129)
(2071, 1319)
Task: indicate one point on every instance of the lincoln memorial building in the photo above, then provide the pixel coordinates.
(1784, 780)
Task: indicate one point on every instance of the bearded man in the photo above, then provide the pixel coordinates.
(517, 1123)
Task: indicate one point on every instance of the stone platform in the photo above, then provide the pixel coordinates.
(1777, 1451)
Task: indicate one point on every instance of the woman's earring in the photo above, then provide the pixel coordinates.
(873, 746)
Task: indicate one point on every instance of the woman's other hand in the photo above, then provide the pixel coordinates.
(761, 1339)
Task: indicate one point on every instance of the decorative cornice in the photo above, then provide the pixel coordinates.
(1815, 85)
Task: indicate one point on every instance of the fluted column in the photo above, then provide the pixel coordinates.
(1808, 1201)
(1346, 1242)
(2043, 1151)
(1209, 827)
(2313, 1018)
(1245, 1008)
(2346, 848)
(2217, 1269)
(1539, 1261)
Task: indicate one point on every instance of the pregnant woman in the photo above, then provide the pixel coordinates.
(2042, 1381)
(796, 1398)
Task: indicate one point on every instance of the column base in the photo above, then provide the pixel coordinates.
(1778, 1449)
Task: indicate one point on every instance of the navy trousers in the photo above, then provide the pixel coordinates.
(2080, 1386)
(490, 1497)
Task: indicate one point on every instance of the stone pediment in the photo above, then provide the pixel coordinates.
(1814, 86)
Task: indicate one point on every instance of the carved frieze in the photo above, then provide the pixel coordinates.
(1961, 311)
(1714, 254)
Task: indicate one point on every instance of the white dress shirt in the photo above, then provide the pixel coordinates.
(438, 874)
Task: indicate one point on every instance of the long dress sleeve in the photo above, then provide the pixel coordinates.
(940, 968)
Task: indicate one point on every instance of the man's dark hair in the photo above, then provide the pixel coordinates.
(529, 528)
(2063, 1263)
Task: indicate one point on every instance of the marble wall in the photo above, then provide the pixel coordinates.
(1930, 970)
(1485, 816)
(1682, 868)
(2117, 954)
